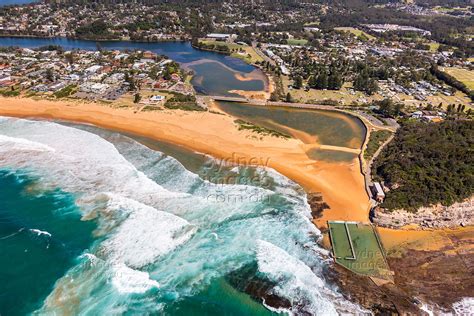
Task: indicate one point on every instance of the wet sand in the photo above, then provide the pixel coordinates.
(341, 184)
(259, 95)
(423, 240)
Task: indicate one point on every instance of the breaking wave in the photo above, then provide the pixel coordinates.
(164, 234)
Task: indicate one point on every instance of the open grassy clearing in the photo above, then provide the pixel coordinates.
(245, 52)
(296, 41)
(355, 31)
(346, 96)
(377, 138)
(463, 75)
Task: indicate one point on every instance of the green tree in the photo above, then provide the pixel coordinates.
(137, 98)
(322, 80)
(388, 108)
(298, 83)
(334, 81)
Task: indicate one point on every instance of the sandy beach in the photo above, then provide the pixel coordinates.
(414, 255)
(341, 184)
(259, 95)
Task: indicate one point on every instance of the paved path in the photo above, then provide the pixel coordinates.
(262, 54)
(368, 172)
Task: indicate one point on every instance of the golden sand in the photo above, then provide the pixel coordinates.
(258, 95)
(341, 184)
(426, 240)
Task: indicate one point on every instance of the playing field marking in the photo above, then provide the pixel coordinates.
(350, 243)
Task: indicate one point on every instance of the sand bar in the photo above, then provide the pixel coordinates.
(341, 184)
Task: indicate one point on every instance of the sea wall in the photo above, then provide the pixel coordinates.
(439, 216)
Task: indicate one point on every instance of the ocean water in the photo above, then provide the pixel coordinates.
(94, 221)
(41, 237)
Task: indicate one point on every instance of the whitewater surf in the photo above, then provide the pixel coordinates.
(158, 237)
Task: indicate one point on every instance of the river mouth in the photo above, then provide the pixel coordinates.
(218, 74)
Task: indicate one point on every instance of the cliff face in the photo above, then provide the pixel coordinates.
(439, 216)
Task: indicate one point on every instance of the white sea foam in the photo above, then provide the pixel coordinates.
(155, 215)
(40, 232)
(127, 280)
(427, 309)
(20, 144)
(464, 307)
(145, 235)
(91, 257)
(76, 160)
(296, 282)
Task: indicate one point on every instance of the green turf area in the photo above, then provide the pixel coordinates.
(356, 247)
(296, 41)
(377, 138)
(356, 32)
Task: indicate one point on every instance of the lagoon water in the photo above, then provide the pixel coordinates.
(13, 2)
(92, 221)
(215, 74)
(310, 126)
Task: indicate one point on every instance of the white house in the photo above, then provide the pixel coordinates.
(219, 36)
(377, 192)
(157, 98)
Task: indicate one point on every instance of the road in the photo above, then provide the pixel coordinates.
(262, 54)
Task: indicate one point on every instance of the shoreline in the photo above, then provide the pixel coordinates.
(89, 39)
(127, 120)
(340, 184)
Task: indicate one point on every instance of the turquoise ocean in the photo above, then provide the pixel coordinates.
(95, 222)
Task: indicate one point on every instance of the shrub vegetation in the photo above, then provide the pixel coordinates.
(428, 163)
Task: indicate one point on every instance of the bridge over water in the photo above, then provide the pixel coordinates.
(237, 99)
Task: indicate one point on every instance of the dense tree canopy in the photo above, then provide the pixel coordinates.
(428, 163)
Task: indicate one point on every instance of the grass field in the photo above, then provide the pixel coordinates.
(463, 75)
(355, 31)
(317, 96)
(230, 45)
(295, 41)
(433, 46)
(357, 248)
(249, 54)
(346, 97)
(377, 138)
